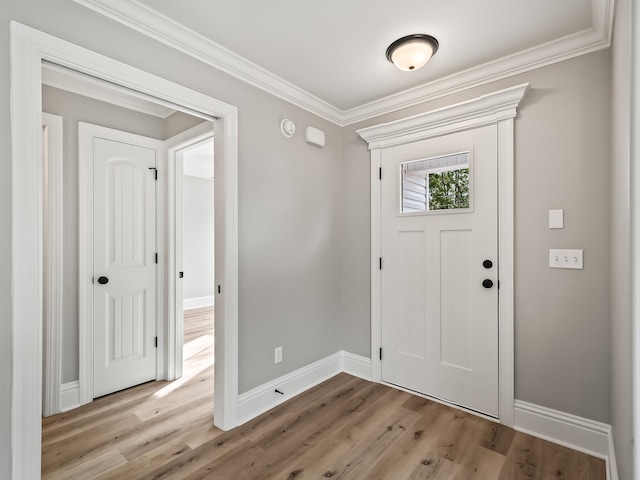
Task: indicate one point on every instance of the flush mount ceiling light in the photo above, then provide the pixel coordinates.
(412, 52)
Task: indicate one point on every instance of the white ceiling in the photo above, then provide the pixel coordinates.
(329, 56)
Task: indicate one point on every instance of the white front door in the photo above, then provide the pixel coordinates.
(124, 264)
(439, 268)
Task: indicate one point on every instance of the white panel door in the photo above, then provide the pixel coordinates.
(439, 323)
(124, 265)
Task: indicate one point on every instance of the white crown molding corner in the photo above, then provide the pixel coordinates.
(155, 25)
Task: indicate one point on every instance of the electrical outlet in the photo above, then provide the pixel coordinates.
(565, 259)
(278, 355)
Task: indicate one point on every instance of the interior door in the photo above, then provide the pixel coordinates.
(124, 265)
(439, 268)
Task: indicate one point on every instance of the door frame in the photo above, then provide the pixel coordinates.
(86, 133)
(497, 108)
(174, 173)
(53, 257)
(28, 49)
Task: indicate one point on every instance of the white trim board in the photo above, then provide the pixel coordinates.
(147, 21)
(70, 396)
(356, 365)
(264, 397)
(198, 302)
(497, 108)
(28, 49)
(578, 433)
(53, 261)
(65, 79)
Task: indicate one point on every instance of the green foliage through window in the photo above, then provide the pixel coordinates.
(449, 189)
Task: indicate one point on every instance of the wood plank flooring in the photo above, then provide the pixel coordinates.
(345, 428)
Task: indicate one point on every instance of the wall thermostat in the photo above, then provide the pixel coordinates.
(287, 127)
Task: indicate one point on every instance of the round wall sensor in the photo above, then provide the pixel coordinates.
(287, 127)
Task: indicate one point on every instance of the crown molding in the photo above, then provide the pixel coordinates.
(548, 54)
(163, 29)
(147, 21)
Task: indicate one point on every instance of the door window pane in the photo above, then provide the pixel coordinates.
(440, 183)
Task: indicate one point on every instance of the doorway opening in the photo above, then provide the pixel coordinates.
(29, 48)
(192, 166)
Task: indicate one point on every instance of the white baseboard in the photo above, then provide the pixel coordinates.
(198, 302)
(356, 365)
(260, 399)
(581, 434)
(69, 396)
(577, 433)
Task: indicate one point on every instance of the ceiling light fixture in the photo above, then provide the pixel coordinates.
(412, 52)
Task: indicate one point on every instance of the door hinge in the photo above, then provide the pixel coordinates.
(380, 263)
(156, 258)
(218, 288)
(155, 171)
(156, 342)
(181, 275)
(380, 173)
(380, 353)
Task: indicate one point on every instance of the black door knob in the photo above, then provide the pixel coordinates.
(487, 264)
(486, 283)
(103, 280)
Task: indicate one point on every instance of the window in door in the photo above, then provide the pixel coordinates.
(438, 183)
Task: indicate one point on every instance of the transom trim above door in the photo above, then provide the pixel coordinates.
(498, 108)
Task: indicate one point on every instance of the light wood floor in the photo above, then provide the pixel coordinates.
(345, 428)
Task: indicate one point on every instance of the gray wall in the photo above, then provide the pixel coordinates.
(289, 203)
(562, 137)
(75, 108)
(621, 326)
(197, 237)
(304, 222)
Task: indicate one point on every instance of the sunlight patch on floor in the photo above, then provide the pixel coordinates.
(194, 367)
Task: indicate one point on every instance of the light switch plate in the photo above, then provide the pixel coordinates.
(566, 258)
(556, 218)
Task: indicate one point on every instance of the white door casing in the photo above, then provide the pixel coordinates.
(439, 324)
(497, 108)
(28, 48)
(53, 261)
(124, 255)
(175, 314)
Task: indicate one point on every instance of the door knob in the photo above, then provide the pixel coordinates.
(487, 264)
(486, 283)
(103, 280)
